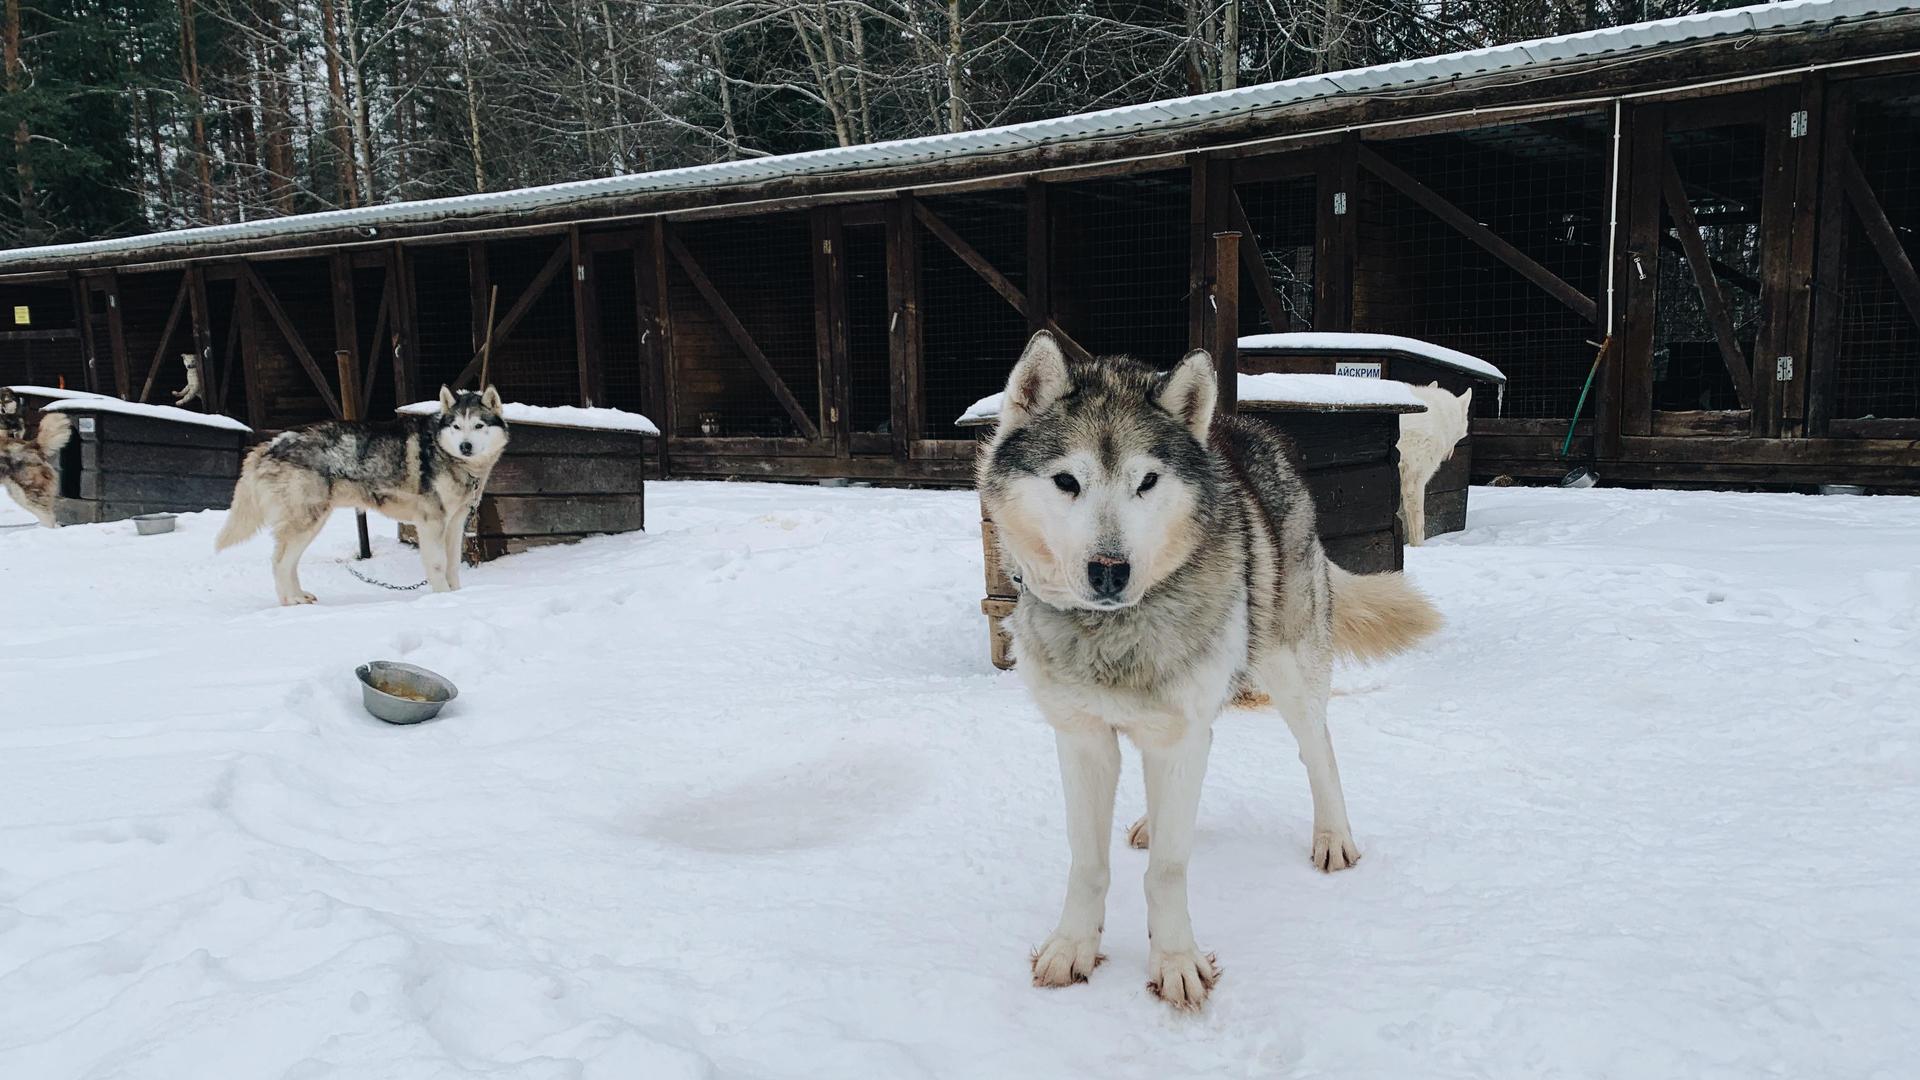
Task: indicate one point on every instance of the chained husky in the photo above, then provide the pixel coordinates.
(30, 468)
(1166, 559)
(428, 470)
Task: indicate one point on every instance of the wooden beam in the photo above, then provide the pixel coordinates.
(346, 336)
(1337, 239)
(83, 318)
(1639, 268)
(1255, 262)
(213, 380)
(905, 353)
(993, 277)
(166, 336)
(652, 283)
(1795, 297)
(830, 323)
(1039, 214)
(117, 336)
(248, 330)
(1830, 266)
(404, 316)
(738, 331)
(1226, 318)
(1711, 298)
(1880, 231)
(1465, 225)
(556, 262)
(291, 335)
(479, 293)
(1199, 267)
(586, 323)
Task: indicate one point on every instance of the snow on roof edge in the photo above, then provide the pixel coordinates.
(1318, 341)
(100, 403)
(572, 416)
(1101, 124)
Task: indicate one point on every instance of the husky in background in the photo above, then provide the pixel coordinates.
(1427, 440)
(427, 470)
(31, 468)
(1166, 557)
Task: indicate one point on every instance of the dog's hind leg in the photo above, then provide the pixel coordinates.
(1301, 686)
(290, 541)
(1176, 968)
(1089, 772)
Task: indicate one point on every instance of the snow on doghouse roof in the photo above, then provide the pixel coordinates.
(98, 403)
(57, 392)
(1319, 342)
(572, 416)
(1613, 44)
(1330, 392)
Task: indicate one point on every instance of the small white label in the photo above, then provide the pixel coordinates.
(1339, 203)
(1358, 369)
(86, 425)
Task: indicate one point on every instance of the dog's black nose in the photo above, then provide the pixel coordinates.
(1108, 577)
(466, 448)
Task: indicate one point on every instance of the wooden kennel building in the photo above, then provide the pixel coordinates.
(1728, 201)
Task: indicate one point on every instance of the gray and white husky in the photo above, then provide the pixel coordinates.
(428, 470)
(1167, 558)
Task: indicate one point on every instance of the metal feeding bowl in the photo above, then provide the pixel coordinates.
(153, 524)
(402, 693)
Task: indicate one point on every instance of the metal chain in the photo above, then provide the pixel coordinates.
(374, 581)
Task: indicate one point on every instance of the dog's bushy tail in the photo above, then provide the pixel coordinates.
(56, 429)
(246, 516)
(1378, 615)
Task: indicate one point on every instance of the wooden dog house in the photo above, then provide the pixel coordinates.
(128, 459)
(1403, 359)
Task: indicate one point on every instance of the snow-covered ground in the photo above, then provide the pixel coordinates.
(741, 797)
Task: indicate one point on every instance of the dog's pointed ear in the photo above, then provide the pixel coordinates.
(1466, 399)
(1191, 392)
(446, 398)
(491, 399)
(1038, 381)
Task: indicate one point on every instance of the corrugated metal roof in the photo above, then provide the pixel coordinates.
(1106, 124)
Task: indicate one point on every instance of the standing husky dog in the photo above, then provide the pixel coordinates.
(1164, 558)
(1427, 439)
(427, 470)
(30, 470)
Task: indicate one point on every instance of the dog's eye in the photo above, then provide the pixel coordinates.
(1065, 482)
(1147, 482)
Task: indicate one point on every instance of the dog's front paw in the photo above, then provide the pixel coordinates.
(299, 598)
(1065, 960)
(1137, 835)
(1182, 979)
(1334, 850)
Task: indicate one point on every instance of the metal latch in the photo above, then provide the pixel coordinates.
(1339, 203)
(1797, 126)
(1783, 369)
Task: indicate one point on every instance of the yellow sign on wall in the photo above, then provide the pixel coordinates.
(22, 315)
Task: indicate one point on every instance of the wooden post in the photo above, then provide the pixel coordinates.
(213, 383)
(250, 351)
(350, 406)
(83, 317)
(1039, 258)
(406, 334)
(903, 304)
(1225, 313)
(830, 326)
(1830, 264)
(586, 323)
(117, 337)
(479, 289)
(1199, 266)
(346, 335)
(1337, 236)
(650, 284)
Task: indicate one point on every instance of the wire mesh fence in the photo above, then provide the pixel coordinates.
(623, 359)
(1542, 188)
(762, 270)
(869, 340)
(1877, 369)
(1721, 169)
(1123, 264)
(971, 335)
(1281, 214)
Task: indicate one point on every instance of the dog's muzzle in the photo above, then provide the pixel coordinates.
(1108, 576)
